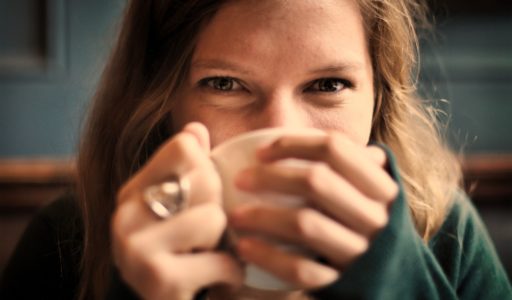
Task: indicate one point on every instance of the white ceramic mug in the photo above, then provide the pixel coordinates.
(239, 153)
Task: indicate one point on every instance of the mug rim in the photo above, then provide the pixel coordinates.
(307, 131)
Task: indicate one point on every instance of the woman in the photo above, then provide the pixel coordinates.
(187, 75)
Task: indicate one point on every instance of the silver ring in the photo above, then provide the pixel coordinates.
(167, 198)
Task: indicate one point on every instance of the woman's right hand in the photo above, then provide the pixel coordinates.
(175, 257)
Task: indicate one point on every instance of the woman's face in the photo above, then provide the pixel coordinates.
(274, 63)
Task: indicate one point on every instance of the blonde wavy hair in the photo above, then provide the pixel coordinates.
(407, 124)
(129, 117)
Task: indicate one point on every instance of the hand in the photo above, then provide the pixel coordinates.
(160, 259)
(348, 193)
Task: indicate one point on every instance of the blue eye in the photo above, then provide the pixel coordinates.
(224, 84)
(329, 85)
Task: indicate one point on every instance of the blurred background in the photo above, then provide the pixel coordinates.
(52, 53)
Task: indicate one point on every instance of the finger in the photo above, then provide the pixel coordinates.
(323, 189)
(377, 154)
(206, 187)
(130, 216)
(166, 276)
(305, 226)
(201, 134)
(216, 268)
(196, 229)
(174, 158)
(134, 214)
(343, 156)
(292, 268)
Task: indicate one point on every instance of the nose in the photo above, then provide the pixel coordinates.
(282, 111)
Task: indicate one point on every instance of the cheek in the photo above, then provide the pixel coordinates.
(221, 126)
(220, 132)
(364, 123)
(353, 120)
(363, 117)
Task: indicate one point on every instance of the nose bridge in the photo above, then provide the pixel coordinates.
(282, 110)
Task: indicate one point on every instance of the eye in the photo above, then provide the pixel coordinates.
(220, 83)
(329, 85)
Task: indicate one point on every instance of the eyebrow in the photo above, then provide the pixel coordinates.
(339, 67)
(224, 65)
(218, 64)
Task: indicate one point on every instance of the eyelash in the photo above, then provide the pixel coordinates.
(345, 84)
(209, 82)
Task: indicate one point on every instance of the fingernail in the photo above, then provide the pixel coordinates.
(245, 180)
(264, 153)
(241, 216)
(317, 275)
(235, 215)
(325, 276)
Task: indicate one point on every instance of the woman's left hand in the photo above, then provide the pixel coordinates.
(348, 193)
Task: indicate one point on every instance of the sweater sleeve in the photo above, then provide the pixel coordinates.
(459, 262)
(464, 249)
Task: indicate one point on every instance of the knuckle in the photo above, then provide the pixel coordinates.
(216, 217)
(361, 246)
(210, 234)
(131, 246)
(182, 144)
(301, 273)
(314, 177)
(204, 189)
(152, 269)
(376, 219)
(157, 278)
(183, 141)
(332, 143)
(144, 269)
(205, 186)
(381, 217)
(305, 222)
(392, 191)
(126, 252)
(214, 184)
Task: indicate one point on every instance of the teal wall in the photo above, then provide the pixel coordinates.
(469, 63)
(42, 105)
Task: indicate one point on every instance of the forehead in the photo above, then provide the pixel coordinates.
(316, 29)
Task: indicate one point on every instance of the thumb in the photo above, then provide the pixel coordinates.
(201, 133)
